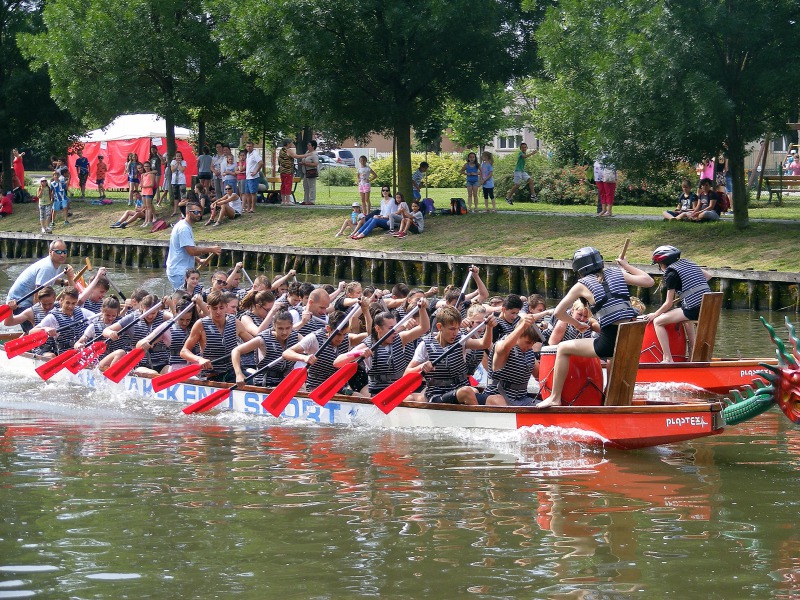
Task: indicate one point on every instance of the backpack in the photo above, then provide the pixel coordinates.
(458, 206)
(427, 207)
(723, 202)
(158, 226)
(21, 196)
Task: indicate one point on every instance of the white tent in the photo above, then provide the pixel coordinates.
(128, 127)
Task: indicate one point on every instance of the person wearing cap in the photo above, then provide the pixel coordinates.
(354, 221)
(286, 157)
(606, 290)
(45, 206)
(681, 277)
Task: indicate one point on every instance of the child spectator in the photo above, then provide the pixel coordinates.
(102, 169)
(45, 206)
(82, 167)
(416, 179)
(148, 191)
(241, 172)
(520, 176)
(487, 180)
(133, 175)
(365, 178)
(354, 221)
(686, 200)
(131, 216)
(400, 212)
(472, 170)
(59, 194)
(414, 222)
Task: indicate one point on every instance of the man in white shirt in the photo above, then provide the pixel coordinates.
(253, 164)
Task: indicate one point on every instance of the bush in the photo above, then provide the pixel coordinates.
(338, 176)
(444, 171)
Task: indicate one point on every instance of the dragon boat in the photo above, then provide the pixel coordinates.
(622, 420)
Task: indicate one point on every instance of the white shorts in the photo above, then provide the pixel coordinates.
(520, 177)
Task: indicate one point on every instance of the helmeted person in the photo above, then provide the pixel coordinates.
(684, 278)
(606, 290)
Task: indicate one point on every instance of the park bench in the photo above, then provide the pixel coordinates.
(778, 184)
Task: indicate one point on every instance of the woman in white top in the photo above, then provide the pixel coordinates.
(177, 167)
(230, 205)
(310, 164)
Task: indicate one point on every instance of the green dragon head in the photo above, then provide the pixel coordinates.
(784, 378)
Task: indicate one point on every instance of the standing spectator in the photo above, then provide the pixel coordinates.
(416, 179)
(178, 167)
(241, 172)
(310, 166)
(131, 168)
(82, 167)
(19, 168)
(182, 250)
(45, 206)
(520, 175)
(204, 167)
(59, 194)
(155, 168)
(286, 157)
(487, 180)
(253, 164)
(102, 169)
(229, 177)
(148, 191)
(606, 185)
(6, 203)
(216, 167)
(365, 178)
(472, 170)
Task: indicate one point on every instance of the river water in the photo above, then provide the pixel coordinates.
(115, 497)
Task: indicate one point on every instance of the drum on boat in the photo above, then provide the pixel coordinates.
(651, 349)
(584, 383)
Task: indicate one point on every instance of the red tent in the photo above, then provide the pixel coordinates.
(129, 133)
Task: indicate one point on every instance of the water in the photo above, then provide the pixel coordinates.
(116, 497)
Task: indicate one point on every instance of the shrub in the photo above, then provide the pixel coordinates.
(338, 176)
(444, 171)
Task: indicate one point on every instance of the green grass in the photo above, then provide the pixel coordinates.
(556, 231)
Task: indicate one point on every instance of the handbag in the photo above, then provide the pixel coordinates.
(311, 172)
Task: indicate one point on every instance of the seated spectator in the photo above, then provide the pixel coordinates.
(131, 215)
(400, 212)
(354, 221)
(229, 205)
(413, 222)
(705, 208)
(382, 220)
(6, 203)
(686, 200)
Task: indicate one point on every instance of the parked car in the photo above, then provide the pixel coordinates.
(325, 162)
(343, 157)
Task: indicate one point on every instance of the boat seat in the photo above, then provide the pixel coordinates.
(706, 331)
(622, 369)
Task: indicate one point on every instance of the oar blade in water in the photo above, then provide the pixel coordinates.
(166, 380)
(393, 395)
(55, 364)
(208, 402)
(333, 384)
(124, 365)
(283, 394)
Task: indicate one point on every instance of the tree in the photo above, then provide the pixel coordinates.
(374, 66)
(655, 82)
(27, 114)
(474, 123)
(108, 58)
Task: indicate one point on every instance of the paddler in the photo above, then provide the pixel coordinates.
(606, 290)
(682, 277)
(67, 314)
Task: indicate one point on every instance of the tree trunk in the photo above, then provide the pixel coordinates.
(7, 160)
(402, 134)
(740, 200)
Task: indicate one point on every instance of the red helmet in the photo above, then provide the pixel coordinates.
(666, 255)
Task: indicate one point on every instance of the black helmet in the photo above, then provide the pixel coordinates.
(587, 260)
(666, 255)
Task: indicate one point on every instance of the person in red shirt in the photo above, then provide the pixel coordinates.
(6, 203)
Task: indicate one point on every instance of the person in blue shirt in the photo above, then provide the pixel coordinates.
(82, 167)
(58, 191)
(183, 254)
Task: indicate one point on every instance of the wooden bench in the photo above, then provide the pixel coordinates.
(275, 188)
(778, 184)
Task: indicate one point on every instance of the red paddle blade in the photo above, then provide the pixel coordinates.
(333, 384)
(124, 365)
(26, 342)
(393, 395)
(54, 365)
(283, 394)
(5, 311)
(208, 402)
(162, 382)
(473, 382)
(85, 357)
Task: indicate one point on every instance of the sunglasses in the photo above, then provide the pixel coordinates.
(196, 212)
(221, 281)
(62, 252)
(229, 189)
(385, 189)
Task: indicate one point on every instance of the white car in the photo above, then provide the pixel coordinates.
(325, 162)
(342, 157)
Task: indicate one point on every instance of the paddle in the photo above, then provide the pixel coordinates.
(77, 279)
(34, 340)
(393, 395)
(248, 277)
(116, 289)
(334, 383)
(212, 400)
(624, 248)
(6, 310)
(180, 375)
(285, 391)
(125, 364)
(464, 289)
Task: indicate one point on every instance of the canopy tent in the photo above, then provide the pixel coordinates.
(125, 134)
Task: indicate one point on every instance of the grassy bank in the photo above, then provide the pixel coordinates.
(764, 246)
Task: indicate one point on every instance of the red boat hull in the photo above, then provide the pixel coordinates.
(718, 376)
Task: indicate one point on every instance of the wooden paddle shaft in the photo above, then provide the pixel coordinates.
(625, 248)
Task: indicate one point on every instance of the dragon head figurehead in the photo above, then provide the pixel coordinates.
(784, 379)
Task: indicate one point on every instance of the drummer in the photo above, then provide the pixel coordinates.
(606, 290)
(682, 277)
(512, 361)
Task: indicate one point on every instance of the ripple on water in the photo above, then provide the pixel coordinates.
(27, 568)
(113, 576)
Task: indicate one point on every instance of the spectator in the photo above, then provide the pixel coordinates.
(414, 222)
(155, 168)
(132, 215)
(354, 221)
(607, 186)
(416, 179)
(6, 203)
(131, 168)
(686, 201)
(148, 191)
(286, 156)
(253, 165)
(365, 178)
(229, 177)
(102, 169)
(310, 165)
(60, 200)
(472, 170)
(82, 167)
(705, 208)
(388, 208)
(204, 173)
(45, 206)
(241, 173)
(793, 166)
(520, 176)
(487, 180)
(178, 169)
(18, 167)
(229, 205)
(400, 212)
